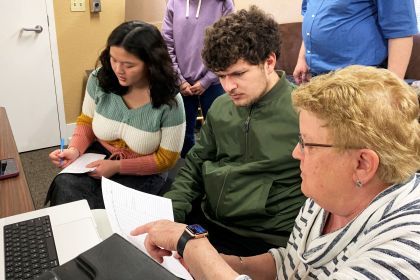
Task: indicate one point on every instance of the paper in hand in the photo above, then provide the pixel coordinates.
(128, 208)
(79, 165)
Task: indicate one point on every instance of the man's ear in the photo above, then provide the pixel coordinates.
(270, 62)
(367, 163)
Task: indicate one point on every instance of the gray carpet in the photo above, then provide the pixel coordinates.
(39, 173)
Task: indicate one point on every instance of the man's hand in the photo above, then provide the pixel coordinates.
(301, 73)
(104, 167)
(162, 237)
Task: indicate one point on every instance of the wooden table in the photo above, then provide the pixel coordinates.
(15, 197)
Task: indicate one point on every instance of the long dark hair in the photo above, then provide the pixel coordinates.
(145, 42)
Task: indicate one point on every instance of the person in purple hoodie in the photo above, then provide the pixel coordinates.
(183, 29)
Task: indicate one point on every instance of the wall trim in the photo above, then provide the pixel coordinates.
(56, 67)
(69, 132)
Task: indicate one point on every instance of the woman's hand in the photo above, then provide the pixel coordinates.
(104, 167)
(63, 158)
(162, 237)
(197, 89)
(185, 89)
(181, 260)
(204, 262)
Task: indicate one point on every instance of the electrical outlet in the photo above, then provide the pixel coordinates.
(77, 5)
(95, 6)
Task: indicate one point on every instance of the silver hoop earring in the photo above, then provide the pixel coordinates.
(359, 183)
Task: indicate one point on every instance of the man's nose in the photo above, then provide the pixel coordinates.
(229, 84)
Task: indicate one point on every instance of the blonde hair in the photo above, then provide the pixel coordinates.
(366, 107)
(417, 91)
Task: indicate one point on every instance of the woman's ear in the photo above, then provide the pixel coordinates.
(367, 163)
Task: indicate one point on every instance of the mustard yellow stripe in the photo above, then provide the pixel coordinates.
(119, 143)
(84, 120)
(166, 159)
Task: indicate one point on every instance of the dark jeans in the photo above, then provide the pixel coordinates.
(225, 241)
(68, 187)
(191, 104)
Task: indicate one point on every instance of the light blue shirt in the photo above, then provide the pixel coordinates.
(338, 33)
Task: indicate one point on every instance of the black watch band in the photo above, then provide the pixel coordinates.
(180, 246)
(191, 232)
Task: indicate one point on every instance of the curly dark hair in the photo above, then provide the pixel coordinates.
(145, 42)
(249, 35)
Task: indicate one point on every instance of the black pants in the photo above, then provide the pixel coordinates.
(68, 187)
(226, 241)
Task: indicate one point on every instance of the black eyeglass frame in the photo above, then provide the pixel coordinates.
(302, 144)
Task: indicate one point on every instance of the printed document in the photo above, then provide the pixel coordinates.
(127, 209)
(79, 165)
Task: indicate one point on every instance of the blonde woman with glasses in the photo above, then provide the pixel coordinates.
(359, 151)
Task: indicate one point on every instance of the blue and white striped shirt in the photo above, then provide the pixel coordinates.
(383, 242)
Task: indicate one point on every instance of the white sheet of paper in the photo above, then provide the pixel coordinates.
(127, 209)
(79, 165)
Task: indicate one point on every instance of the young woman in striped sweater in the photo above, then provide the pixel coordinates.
(131, 112)
(359, 151)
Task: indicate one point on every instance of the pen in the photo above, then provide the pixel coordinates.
(61, 149)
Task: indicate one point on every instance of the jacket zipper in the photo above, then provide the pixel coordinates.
(246, 130)
(220, 195)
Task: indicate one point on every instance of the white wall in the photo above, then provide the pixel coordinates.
(417, 4)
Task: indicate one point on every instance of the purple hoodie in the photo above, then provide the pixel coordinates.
(183, 30)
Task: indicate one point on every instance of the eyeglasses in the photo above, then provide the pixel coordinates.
(303, 144)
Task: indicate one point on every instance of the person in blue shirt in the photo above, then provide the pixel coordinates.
(338, 33)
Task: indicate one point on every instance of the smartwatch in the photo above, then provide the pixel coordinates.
(190, 232)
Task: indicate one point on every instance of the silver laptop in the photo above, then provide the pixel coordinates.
(73, 226)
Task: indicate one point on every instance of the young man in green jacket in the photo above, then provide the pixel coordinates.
(241, 169)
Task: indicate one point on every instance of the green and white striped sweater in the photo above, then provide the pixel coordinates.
(147, 140)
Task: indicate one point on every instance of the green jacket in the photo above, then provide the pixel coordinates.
(243, 168)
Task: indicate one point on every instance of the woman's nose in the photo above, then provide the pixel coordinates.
(297, 152)
(118, 68)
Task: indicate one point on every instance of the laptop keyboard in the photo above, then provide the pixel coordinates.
(29, 248)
